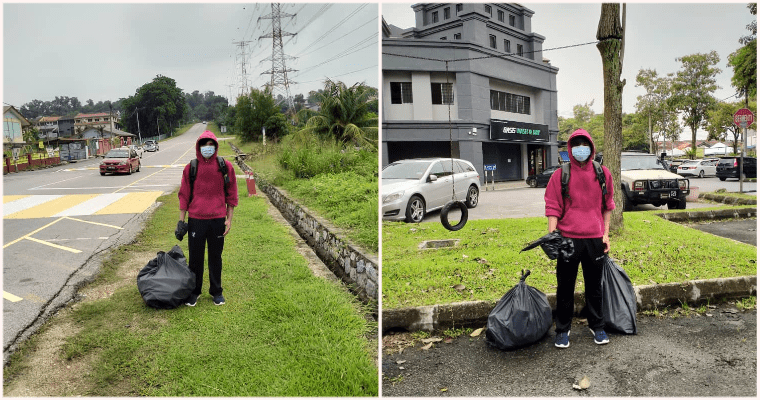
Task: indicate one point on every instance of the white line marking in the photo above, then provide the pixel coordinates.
(91, 206)
(27, 202)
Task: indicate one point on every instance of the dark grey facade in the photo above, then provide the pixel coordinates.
(493, 102)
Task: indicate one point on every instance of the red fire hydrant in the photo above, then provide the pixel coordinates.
(251, 183)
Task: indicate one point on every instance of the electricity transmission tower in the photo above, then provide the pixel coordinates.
(279, 69)
(243, 44)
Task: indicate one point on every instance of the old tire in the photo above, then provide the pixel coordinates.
(445, 214)
(532, 183)
(415, 209)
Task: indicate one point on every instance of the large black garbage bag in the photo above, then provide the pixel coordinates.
(523, 316)
(618, 298)
(554, 244)
(166, 281)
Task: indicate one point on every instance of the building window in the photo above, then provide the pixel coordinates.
(507, 46)
(493, 40)
(443, 93)
(443, 37)
(447, 13)
(511, 20)
(435, 16)
(488, 10)
(501, 15)
(459, 8)
(401, 92)
(502, 101)
(457, 36)
(520, 50)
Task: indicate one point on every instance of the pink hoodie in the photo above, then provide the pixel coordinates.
(583, 210)
(209, 201)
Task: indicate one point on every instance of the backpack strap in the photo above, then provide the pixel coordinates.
(565, 180)
(193, 174)
(224, 171)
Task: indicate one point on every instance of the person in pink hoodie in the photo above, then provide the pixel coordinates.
(584, 217)
(210, 209)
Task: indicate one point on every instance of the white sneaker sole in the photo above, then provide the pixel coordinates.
(564, 346)
(594, 335)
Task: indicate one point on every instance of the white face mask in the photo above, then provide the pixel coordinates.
(207, 151)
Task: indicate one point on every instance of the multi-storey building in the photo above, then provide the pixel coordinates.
(86, 121)
(493, 103)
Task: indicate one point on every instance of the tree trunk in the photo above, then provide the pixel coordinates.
(611, 41)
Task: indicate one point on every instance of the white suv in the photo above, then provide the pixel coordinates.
(412, 188)
(645, 180)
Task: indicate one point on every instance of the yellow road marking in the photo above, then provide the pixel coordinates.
(134, 203)
(9, 198)
(69, 249)
(94, 223)
(10, 297)
(51, 208)
(32, 233)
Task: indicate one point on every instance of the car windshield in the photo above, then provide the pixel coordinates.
(628, 163)
(117, 154)
(405, 170)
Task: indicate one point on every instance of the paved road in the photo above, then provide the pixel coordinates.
(711, 354)
(58, 222)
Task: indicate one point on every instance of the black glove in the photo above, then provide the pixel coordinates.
(181, 230)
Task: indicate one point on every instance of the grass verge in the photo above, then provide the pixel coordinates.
(283, 331)
(487, 262)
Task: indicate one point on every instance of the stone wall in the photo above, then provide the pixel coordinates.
(358, 270)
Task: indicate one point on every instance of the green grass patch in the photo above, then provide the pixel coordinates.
(341, 187)
(735, 194)
(488, 259)
(283, 331)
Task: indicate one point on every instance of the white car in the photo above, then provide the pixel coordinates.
(698, 168)
(412, 188)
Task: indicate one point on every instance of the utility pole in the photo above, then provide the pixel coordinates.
(243, 44)
(279, 69)
(139, 137)
(158, 127)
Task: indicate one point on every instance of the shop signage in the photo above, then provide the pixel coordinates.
(518, 131)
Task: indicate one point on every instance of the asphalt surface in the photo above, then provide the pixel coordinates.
(708, 354)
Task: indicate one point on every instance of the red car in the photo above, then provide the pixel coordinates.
(122, 159)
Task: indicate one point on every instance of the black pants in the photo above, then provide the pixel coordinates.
(589, 253)
(200, 232)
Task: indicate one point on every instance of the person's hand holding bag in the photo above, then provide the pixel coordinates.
(181, 230)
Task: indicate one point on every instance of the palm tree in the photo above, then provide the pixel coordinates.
(344, 115)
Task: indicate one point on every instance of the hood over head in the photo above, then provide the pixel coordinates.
(580, 133)
(202, 138)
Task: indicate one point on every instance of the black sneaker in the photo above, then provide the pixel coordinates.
(562, 340)
(192, 300)
(218, 300)
(600, 336)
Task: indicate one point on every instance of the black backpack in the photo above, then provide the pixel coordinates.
(599, 177)
(194, 173)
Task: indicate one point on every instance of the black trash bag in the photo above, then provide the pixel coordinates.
(522, 317)
(554, 244)
(618, 298)
(166, 281)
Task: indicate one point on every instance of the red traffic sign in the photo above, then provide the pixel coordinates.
(744, 118)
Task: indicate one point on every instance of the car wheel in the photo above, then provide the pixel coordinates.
(722, 178)
(532, 183)
(130, 170)
(677, 204)
(472, 197)
(627, 206)
(138, 166)
(415, 209)
(702, 174)
(102, 174)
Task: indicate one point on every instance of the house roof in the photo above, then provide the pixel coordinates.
(24, 121)
(80, 115)
(49, 119)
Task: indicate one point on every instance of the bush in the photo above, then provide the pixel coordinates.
(309, 160)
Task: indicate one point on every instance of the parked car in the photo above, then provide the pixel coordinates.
(542, 179)
(673, 165)
(728, 167)
(644, 180)
(150, 145)
(120, 160)
(412, 188)
(137, 149)
(698, 168)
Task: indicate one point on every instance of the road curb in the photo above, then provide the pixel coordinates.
(648, 297)
(694, 216)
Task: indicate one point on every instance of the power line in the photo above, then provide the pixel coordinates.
(492, 56)
(347, 73)
(359, 27)
(337, 57)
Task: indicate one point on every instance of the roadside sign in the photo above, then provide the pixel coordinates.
(16, 151)
(744, 118)
(489, 167)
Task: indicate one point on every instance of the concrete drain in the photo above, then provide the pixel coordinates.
(438, 244)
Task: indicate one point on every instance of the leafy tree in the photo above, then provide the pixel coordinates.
(693, 87)
(635, 132)
(253, 112)
(611, 36)
(720, 122)
(31, 135)
(344, 115)
(752, 27)
(159, 104)
(744, 63)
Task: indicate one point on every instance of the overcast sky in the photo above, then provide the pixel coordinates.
(107, 51)
(656, 35)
